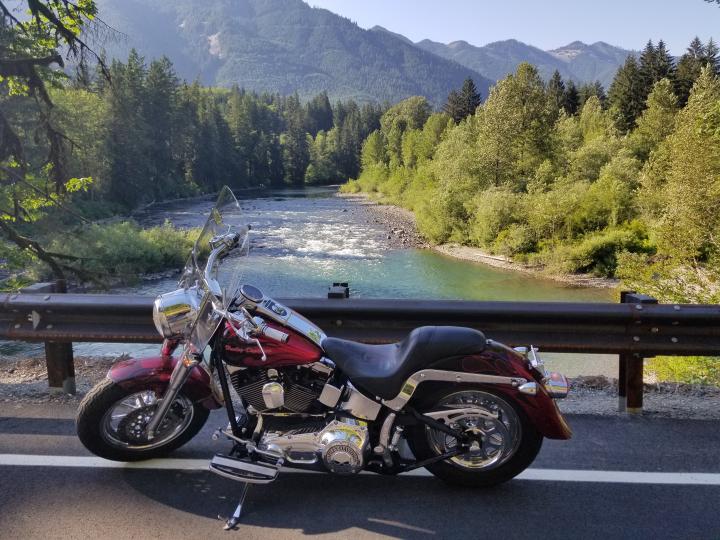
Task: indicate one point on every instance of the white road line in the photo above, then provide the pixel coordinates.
(550, 475)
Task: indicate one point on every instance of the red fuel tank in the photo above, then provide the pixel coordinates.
(297, 351)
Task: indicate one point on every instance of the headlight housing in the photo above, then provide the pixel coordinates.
(175, 312)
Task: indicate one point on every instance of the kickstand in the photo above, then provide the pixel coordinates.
(232, 521)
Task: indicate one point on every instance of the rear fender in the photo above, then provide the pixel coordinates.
(497, 359)
(154, 372)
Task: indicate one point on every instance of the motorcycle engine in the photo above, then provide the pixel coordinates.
(340, 445)
(294, 389)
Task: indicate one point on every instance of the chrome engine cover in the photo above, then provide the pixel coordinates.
(340, 445)
(344, 445)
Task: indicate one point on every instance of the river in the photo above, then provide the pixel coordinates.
(303, 240)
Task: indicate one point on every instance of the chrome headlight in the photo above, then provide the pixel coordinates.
(175, 312)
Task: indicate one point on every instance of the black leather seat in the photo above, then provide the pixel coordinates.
(382, 369)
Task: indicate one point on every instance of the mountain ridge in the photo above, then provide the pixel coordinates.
(283, 46)
(287, 46)
(577, 61)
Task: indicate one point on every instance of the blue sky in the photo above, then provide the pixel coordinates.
(546, 24)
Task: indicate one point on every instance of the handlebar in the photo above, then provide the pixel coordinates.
(272, 333)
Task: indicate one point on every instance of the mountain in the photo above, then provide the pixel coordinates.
(281, 46)
(576, 61)
(598, 61)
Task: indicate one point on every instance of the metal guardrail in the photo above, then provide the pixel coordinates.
(635, 329)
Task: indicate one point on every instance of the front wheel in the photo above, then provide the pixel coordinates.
(111, 422)
(503, 442)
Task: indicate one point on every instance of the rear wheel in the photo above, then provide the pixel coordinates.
(112, 422)
(503, 441)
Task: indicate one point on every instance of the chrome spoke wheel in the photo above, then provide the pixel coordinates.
(489, 422)
(124, 425)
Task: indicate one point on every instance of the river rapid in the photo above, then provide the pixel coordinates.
(303, 240)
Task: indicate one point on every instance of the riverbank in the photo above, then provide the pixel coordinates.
(25, 381)
(402, 232)
(399, 223)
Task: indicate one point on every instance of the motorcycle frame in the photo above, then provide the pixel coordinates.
(498, 368)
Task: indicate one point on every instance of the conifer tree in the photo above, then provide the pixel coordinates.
(453, 106)
(461, 104)
(319, 114)
(656, 64)
(296, 152)
(648, 61)
(572, 99)
(711, 56)
(470, 97)
(626, 95)
(556, 91)
(665, 63)
(587, 91)
(688, 69)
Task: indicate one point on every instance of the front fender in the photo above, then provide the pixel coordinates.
(154, 372)
(497, 359)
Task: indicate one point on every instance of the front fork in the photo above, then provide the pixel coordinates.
(180, 373)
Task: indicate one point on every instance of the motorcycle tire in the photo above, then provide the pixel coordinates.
(419, 440)
(91, 420)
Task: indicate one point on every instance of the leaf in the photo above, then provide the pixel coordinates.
(78, 184)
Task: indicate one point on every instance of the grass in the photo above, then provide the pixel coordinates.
(692, 370)
(110, 253)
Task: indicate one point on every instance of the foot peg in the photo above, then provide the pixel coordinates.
(244, 469)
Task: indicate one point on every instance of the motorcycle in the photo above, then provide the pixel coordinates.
(472, 411)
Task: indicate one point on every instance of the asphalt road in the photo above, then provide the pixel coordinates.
(41, 501)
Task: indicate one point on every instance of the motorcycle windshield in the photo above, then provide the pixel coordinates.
(217, 285)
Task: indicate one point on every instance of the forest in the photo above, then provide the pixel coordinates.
(142, 135)
(623, 183)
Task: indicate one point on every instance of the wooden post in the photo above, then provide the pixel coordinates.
(630, 369)
(59, 358)
(622, 382)
(634, 384)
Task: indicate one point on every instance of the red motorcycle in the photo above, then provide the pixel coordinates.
(472, 411)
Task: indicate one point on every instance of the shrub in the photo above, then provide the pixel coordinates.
(434, 217)
(123, 251)
(351, 186)
(597, 253)
(515, 240)
(492, 211)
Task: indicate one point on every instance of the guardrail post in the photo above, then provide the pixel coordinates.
(630, 372)
(59, 358)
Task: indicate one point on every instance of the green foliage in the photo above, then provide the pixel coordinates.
(692, 370)
(123, 251)
(597, 253)
(492, 211)
(657, 121)
(517, 240)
